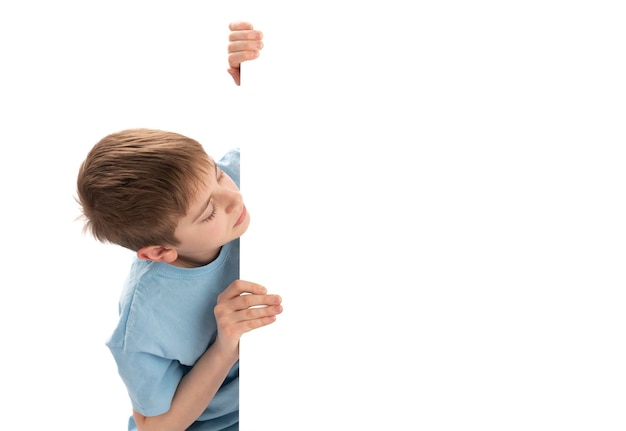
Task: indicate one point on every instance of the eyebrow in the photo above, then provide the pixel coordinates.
(208, 201)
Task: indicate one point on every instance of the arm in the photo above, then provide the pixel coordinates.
(244, 45)
(235, 316)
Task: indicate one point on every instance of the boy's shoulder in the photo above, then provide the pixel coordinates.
(231, 164)
(230, 155)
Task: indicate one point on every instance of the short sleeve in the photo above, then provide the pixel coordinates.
(230, 163)
(151, 381)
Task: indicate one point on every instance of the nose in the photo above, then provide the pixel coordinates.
(232, 200)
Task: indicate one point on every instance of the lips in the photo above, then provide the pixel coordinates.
(241, 217)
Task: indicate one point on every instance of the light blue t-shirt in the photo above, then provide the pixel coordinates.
(167, 322)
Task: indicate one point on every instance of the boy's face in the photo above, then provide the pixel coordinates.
(217, 216)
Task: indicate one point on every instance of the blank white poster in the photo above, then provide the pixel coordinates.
(436, 191)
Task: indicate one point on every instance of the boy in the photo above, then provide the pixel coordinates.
(183, 308)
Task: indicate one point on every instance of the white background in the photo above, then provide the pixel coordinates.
(437, 192)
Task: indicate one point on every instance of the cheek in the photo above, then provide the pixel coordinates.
(215, 229)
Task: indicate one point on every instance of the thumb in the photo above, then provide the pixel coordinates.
(236, 74)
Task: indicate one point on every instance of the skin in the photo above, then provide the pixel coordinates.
(244, 45)
(241, 307)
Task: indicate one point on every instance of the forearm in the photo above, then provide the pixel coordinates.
(194, 393)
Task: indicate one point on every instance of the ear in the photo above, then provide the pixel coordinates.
(157, 253)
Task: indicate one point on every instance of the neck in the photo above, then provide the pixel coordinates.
(183, 262)
(187, 262)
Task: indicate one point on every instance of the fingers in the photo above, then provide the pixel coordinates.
(245, 35)
(244, 320)
(244, 302)
(248, 307)
(245, 306)
(238, 287)
(244, 44)
(243, 31)
(241, 51)
(240, 25)
(235, 324)
(235, 60)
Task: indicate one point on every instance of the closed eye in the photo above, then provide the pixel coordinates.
(219, 174)
(212, 215)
